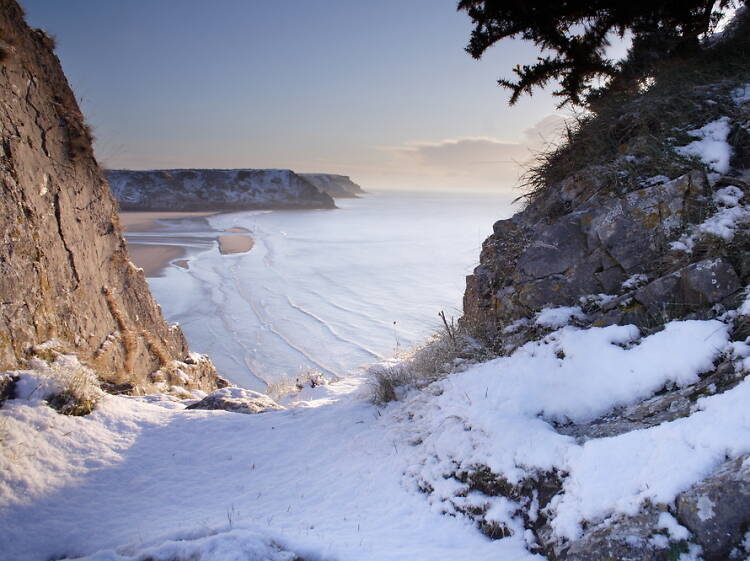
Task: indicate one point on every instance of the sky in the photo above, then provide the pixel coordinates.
(381, 91)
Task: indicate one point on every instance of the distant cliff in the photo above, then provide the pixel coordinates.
(215, 189)
(338, 186)
(67, 280)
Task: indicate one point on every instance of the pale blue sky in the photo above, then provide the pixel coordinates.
(382, 91)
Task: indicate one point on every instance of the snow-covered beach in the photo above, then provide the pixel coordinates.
(329, 290)
(154, 245)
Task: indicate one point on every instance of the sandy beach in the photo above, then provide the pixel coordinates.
(154, 258)
(240, 242)
(153, 250)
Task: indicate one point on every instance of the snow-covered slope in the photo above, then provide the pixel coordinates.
(214, 189)
(338, 186)
(150, 479)
(336, 478)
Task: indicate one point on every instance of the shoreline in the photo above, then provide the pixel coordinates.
(153, 251)
(146, 221)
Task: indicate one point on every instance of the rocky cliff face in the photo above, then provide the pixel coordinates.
(614, 246)
(65, 272)
(338, 186)
(623, 246)
(642, 253)
(214, 189)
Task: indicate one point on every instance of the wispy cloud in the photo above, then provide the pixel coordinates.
(463, 153)
(480, 161)
(544, 132)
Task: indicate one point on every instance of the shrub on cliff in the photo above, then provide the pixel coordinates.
(676, 78)
(625, 138)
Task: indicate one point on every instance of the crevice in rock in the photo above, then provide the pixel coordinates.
(37, 116)
(71, 258)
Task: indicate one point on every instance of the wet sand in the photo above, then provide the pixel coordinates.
(154, 253)
(235, 244)
(153, 258)
(137, 221)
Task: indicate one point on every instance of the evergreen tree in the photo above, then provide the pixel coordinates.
(573, 35)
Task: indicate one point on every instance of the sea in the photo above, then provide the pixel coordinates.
(327, 290)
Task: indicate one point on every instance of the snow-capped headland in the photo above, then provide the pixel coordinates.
(338, 186)
(215, 189)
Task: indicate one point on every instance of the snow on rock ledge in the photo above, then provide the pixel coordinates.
(237, 400)
(493, 447)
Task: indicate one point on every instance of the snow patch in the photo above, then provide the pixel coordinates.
(741, 95)
(675, 530)
(712, 147)
(730, 216)
(635, 281)
(558, 317)
(501, 414)
(744, 309)
(705, 508)
(232, 545)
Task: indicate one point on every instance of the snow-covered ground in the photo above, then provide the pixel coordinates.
(337, 478)
(324, 479)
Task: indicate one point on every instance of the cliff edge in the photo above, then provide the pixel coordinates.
(338, 186)
(66, 276)
(215, 189)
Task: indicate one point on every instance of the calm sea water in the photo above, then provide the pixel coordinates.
(332, 290)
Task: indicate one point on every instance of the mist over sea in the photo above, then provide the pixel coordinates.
(332, 290)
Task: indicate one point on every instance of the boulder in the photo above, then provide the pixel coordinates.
(631, 538)
(708, 282)
(717, 510)
(659, 294)
(595, 241)
(555, 250)
(7, 387)
(237, 400)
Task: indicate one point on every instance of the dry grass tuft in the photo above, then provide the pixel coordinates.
(80, 140)
(128, 336)
(78, 387)
(452, 350)
(48, 40)
(157, 348)
(310, 378)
